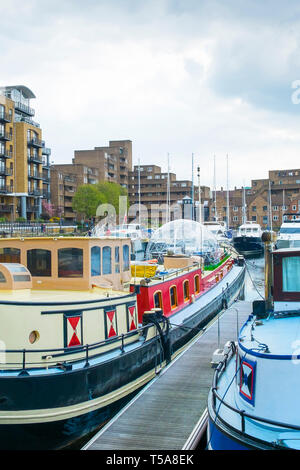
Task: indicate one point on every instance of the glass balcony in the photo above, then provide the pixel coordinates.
(5, 189)
(35, 142)
(5, 117)
(35, 159)
(6, 171)
(34, 192)
(5, 136)
(24, 109)
(35, 175)
(5, 153)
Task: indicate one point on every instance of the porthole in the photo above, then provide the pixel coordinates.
(34, 337)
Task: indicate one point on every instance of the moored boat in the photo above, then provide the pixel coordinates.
(82, 330)
(289, 234)
(248, 240)
(251, 404)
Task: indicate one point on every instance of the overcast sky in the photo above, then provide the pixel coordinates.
(209, 77)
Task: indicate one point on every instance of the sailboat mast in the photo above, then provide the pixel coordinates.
(228, 221)
(193, 186)
(199, 195)
(139, 188)
(215, 188)
(283, 204)
(244, 206)
(270, 207)
(168, 190)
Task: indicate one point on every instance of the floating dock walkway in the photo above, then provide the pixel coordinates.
(170, 412)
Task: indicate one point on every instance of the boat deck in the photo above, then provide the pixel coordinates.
(165, 413)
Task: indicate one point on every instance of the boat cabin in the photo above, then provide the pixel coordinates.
(250, 229)
(286, 279)
(65, 263)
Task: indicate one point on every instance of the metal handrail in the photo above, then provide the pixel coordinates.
(243, 414)
(76, 349)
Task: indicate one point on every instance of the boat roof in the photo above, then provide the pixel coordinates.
(279, 334)
(33, 296)
(287, 250)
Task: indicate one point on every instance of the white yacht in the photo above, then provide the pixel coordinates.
(218, 229)
(289, 234)
(248, 240)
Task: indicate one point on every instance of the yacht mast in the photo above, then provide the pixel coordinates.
(192, 186)
(270, 207)
(168, 190)
(199, 195)
(139, 188)
(244, 207)
(215, 188)
(227, 209)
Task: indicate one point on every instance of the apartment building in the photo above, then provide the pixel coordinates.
(113, 162)
(154, 187)
(65, 180)
(24, 158)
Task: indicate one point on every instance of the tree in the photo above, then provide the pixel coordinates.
(111, 192)
(86, 200)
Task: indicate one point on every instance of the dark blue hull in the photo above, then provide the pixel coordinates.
(249, 246)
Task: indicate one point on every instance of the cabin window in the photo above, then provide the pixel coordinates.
(290, 274)
(186, 290)
(39, 262)
(173, 297)
(96, 261)
(126, 258)
(157, 300)
(197, 284)
(2, 277)
(117, 259)
(106, 260)
(10, 255)
(70, 262)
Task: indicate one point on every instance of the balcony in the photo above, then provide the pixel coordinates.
(6, 172)
(5, 117)
(46, 150)
(46, 195)
(35, 175)
(24, 109)
(5, 153)
(34, 192)
(35, 142)
(32, 208)
(5, 136)
(35, 159)
(6, 208)
(45, 178)
(6, 189)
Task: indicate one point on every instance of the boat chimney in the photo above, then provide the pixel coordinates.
(267, 240)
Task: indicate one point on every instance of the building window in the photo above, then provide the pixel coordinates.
(265, 219)
(197, 284)
(70, 262)
(157, 299)
(126, 258)
(173, 297)
(294, 208)
(265, 208)
(106, 260)
(235, 209)
(253, 208)
(39, 262)
(235, 218)
(275, 217)
(117, 259)
(10, 255)
(275, 208)
(186, 290)
(95, 261)
(253, 218)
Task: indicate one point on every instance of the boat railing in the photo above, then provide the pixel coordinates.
(242, 413)
(49, 354)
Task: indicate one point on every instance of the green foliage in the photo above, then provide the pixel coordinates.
(89, 196)
(20, 219)
(86, 200)
(3, 219)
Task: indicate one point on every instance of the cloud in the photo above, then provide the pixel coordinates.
(177, 76)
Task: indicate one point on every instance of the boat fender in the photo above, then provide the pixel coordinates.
(224, 304)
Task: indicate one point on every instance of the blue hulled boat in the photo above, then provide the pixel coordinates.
(253, 401)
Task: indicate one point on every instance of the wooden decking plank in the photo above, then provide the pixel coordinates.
(163, 417)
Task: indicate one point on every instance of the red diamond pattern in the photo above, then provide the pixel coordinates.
(132, 318)
(112, 326)
(74, 340)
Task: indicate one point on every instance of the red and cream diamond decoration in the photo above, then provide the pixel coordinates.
(111, 323)
(132, 318)
(73, 324)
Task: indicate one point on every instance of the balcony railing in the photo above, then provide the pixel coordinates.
(35, 142)
(32, 208)
(6, 171)
(6, 208)
(34, 192)
(5, 117)
(5, 136)
(6, 189)
(24, 109)
(46, 151)
(5, 153)
(35, 158)
(46, 194)
(36, 175)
